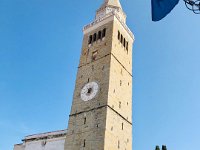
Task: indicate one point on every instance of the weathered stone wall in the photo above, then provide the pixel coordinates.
(119, 115)
(94, 70)
(93, 131)
(108, 124)
(88, 136)
(117, 136)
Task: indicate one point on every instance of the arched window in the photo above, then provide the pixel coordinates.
(124, 42)
(104, 33)
(122, 38)
(99, 35)
(127, 46)
(118, 35)
(94, 37)
(90, 40)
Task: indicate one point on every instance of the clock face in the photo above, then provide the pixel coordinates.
(89, 91)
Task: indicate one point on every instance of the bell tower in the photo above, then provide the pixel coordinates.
(101, 113)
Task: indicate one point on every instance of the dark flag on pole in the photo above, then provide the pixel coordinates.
(161, 8)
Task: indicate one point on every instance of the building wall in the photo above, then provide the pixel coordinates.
(57, 144)
(45, 141)
(53, 144)
(119, 115)
(19, 147)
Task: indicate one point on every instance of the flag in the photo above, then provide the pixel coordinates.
(161, 8)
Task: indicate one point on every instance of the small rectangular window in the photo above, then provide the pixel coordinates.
(124, 42)
(85, 120)
(94, 37)
(90, 40)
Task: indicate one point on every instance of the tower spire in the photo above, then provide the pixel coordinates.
(114, 3)
(111, 6)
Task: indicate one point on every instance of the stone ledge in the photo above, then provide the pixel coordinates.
(47, 135)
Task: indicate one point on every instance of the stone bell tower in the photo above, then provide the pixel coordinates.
(101, 113)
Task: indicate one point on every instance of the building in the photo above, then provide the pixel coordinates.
(44, 141)
(101, 113)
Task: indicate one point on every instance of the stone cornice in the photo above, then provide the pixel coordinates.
(107, 16)
(45, 136)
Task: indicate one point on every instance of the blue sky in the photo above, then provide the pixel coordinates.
(40, 43)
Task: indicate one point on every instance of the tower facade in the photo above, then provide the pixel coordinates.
(101, 113)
